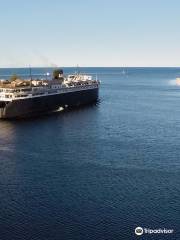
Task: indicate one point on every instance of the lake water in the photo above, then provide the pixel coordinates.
(96, 172)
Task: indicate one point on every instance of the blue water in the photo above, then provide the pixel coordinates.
(96, 172)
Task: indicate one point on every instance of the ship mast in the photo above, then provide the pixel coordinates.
(30, 74)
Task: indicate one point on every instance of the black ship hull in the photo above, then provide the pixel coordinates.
(32, 106)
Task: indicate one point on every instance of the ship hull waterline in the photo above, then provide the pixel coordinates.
(33, 106)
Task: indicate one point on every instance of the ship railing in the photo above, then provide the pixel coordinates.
(5, 98)
(25, 94)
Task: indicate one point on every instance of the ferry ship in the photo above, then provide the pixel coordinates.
(28, 97)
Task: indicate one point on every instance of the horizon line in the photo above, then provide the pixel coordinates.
(90, 67)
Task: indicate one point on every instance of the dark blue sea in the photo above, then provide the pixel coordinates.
(96, 172)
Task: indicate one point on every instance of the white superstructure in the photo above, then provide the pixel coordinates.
(23, 89)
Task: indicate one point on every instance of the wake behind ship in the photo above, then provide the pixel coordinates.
(21, 98)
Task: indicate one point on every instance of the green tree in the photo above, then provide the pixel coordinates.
(14, 77)
(57, 73)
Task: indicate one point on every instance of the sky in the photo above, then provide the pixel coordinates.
(119, 33)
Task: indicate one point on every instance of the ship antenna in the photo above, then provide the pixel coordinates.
(78, 69)
(30, 72)
(30, 75)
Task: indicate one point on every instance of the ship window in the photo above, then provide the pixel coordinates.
(26, 89)
(23, 95)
